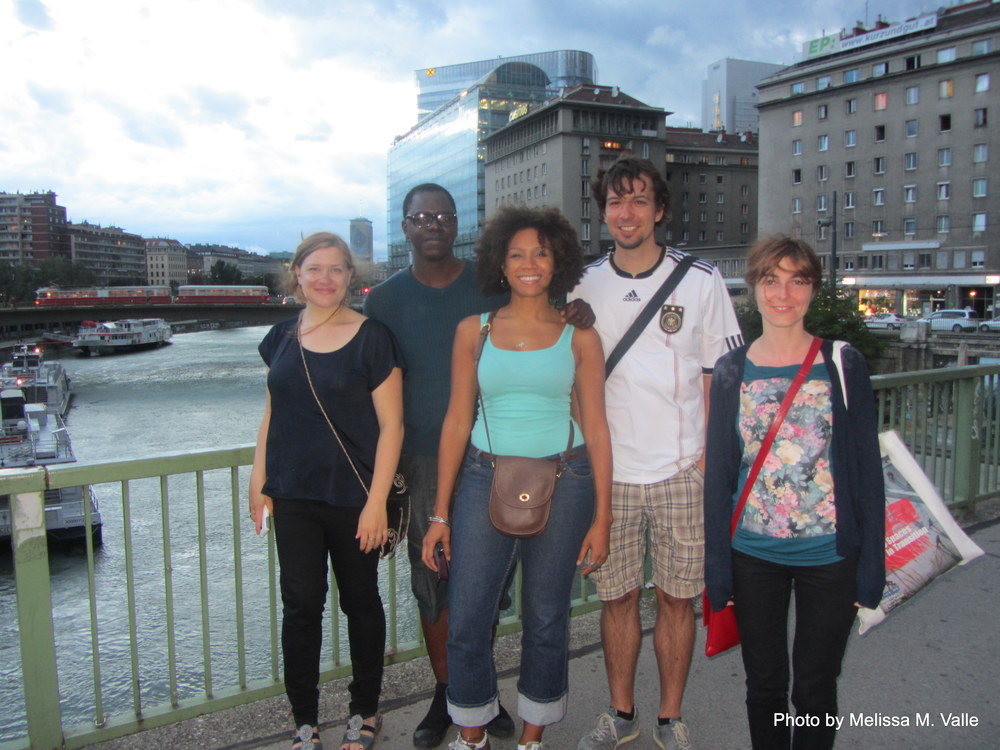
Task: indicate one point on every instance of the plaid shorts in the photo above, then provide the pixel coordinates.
(672, 511)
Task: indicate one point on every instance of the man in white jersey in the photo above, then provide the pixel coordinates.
(657, 401)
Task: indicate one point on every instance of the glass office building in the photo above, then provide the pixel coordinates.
(446, 146)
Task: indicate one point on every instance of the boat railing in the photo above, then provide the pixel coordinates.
(182, 604)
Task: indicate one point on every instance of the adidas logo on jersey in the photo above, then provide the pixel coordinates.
(631, 297)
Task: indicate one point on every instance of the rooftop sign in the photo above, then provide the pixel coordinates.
(832, 43)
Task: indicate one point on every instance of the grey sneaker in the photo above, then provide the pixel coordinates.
(672, 736)
(611, 731)
(461, 743)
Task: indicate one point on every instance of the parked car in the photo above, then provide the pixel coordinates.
(889, 321)
(952, 320)
(990, 325)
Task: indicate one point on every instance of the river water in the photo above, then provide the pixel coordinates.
(204, 391)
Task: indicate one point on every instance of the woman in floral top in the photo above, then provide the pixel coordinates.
(814, 519)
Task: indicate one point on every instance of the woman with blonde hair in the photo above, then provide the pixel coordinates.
(330, 370)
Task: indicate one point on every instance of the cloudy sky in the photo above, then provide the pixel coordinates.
(250, 122)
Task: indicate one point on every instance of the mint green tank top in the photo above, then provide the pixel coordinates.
(527, 397)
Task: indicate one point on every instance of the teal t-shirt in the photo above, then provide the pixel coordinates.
(789, 517)
(526, 395)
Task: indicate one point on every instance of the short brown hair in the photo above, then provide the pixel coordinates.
(768, 252)
(553, 230)
(307, 247)
(621, 175)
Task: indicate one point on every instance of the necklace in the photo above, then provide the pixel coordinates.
(307, 331)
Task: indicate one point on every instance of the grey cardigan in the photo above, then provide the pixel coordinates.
(857, 473)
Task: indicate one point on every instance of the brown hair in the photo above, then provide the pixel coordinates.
(553, 230)
(307, 247)
(621, 176)
(768, 252)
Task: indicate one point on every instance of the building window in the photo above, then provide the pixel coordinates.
(686, 217)
(744, 228)
(852, 106)
(878, 164)
(982, 82)
(944, 123)
(852, 76)
(797, 147)
(822, 173)
(645, 149)
(720, 217)
(946, 55)
(702, 235)
(848, 229)
(982, 47)
(943, 191)
(585, 231)
(796, 205)
(796, 118)
(879, 133)
(878, 262)
(702, 178)
(925, 260)
(878, 197)
(958, 260)
(821, 231)
(910, 160)
(946, 89)
(821, 202)
(911, 128)
(979, 117)
(703, 197)
(745, 209)
(978, 258)
(719, 179)
(850, 169)
(979, 187)
(703, 216)
(720, 236)
(979, 222)
(980, 153)
(943, 224)
(720, 198)
(585, 188)
(745, 191)
(944, 157)
(848, 200)
(880, 69)
(909, 193)
(881, 100)
(913, 62)
(908, 261)
(909, 227)
(823, 82)
(823, 143)
(798, 88)
(850, 138)
(862, 262)
(796, 176)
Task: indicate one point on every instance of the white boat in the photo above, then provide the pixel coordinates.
(121, 335)
(31, 435)
(42, 381)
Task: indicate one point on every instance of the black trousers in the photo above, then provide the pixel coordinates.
(306, 535)
(824, 612)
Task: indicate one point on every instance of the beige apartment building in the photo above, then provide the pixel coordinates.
(877, 149)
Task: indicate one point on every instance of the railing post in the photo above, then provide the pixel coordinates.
(34, 615)
(965, 452)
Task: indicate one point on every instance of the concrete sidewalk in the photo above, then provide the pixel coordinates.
(936, 656)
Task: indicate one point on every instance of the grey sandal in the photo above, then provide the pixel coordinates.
(360, 733)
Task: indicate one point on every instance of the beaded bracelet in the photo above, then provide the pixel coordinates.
(438, 519)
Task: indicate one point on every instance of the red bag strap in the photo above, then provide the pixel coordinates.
(772, 431)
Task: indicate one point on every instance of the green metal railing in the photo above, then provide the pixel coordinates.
(199, 631)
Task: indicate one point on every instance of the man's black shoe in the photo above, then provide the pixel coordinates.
(502, 725)
(431, 730)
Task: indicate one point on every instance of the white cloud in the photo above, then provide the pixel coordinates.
(250, 121)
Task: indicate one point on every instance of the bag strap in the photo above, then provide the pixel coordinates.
(484, 332)
(772, 431)
(322, 409)
(642, 320)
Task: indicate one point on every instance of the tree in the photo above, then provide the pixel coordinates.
(18, 281)
(224, 273)
(832, 315)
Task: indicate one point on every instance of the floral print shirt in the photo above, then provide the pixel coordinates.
(792, 497)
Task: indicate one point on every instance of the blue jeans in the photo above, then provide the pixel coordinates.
(481, 560)
(824, 612)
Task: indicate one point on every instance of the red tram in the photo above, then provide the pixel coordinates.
(109, 295)
(201, 293)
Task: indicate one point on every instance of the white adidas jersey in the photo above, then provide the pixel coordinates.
(655, 396)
